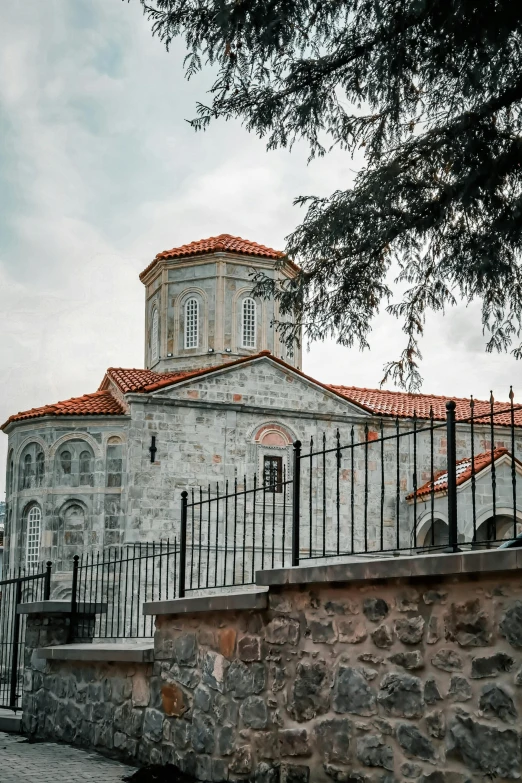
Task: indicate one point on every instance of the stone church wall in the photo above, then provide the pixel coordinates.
(361, 683)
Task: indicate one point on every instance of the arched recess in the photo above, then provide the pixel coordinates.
(192, 292)
(499, 528)
(76, 436)
(10, 473)
(31, 534)
(31, 466)
(74, 463)
(114, 462)
(260, 319)
(273, 442)
(74, 515)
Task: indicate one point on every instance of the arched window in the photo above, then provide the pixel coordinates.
(154, 347)
(86, 475)
(114, 462)
(191, 323)
(40, 469)
(27, 471)
(248, 323)
(66, 462)
(33, 528)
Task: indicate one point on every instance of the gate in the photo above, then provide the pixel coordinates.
(16, 590)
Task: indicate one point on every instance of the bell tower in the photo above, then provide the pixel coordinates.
(199, 309)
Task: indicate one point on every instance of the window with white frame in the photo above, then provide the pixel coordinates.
(191, 323)
(248, 323)
(32, 536)
(154, 348)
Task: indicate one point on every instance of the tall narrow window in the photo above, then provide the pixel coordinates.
(40, 468)
(10, 475)
(191, 323)
(32, 536)
(154, 348)
(66, 462)
(86, 475)
(248, 324)
(114, 464)
(28, 471)
(273, 474)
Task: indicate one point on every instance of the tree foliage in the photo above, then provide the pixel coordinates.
(431, 92)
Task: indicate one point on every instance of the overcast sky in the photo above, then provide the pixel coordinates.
(99, 171)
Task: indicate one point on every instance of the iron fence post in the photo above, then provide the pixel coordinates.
(47, 582)
(74, 598)
(296, 503)
(452, 476)
(15, 647)
(183, 544)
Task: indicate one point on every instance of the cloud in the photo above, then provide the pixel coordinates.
(99, 171)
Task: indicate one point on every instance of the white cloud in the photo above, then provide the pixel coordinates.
(99, 171)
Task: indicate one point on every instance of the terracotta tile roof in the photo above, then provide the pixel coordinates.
(393, 403)
(464, 470)
(135, 380)
(100, 403)
(224, 243)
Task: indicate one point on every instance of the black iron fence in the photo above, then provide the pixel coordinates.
(230, 534)
(108, 590)
(19, 587)
(378, 489)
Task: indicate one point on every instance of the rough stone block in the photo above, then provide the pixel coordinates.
(310, 693)
(352, 694)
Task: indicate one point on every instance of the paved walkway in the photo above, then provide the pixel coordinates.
(46, 762)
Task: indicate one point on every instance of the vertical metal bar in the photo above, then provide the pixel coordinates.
(398, 486)
(244, 528)
(452, 476)
(513, 463)
(414, 479)
(263, 523)
(254, 496)
(174, 581)
(382, 486)
(296, 505)
(167, 580)
(473, 478)
(146, 577)
(200, 548)
(284, 517)
(366, 487)
(432, 480)
(493, 535)
(192, 538)
(273, 518)
(209, 517)
(127, 587)
(338, 488)
(310, 497)
(183, 544)
(234, 553)
(217, 536)
(119, 590)
(352, 491)
(324, 494)
(74, 599)
(226, 533)
(15, 649)
(101, 592)
(47, 586)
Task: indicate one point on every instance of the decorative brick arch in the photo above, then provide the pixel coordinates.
(273, 434)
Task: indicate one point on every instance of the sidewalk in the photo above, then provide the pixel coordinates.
(46, 762)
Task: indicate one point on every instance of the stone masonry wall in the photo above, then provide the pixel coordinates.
(348, 684)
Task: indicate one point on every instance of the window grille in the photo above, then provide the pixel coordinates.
(191, 323)
(273, 474)
(248, 337)
(154, 336)
(32, 545)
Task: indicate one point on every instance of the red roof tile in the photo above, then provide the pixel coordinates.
(393, 403)
(464, 471)
(224, 243)
(100, 403)
(135, 380)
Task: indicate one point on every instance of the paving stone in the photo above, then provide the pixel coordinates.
(47, 762)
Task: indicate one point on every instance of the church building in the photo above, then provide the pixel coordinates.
(219, 398)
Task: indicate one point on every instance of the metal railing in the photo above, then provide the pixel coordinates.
(19, 587)
(227, 534)
(109, 590)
